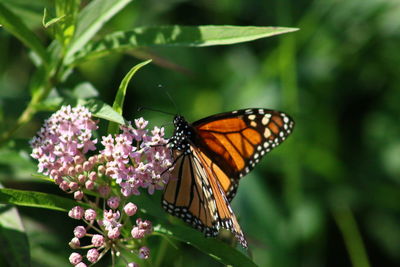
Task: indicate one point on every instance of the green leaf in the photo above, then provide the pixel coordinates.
(102, 110)
(85, 90)
(15, 26)
(91, 20)
(213, 247)
(15, 246)
(192, 36)
(218, 250)
(36, 199)
(120, 97)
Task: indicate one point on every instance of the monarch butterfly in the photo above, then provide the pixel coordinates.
(210, 156)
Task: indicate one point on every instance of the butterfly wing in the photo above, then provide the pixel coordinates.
(187, 195)
(237, 140)
(197, 197)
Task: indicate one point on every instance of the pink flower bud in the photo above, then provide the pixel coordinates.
(73, 186)
(93, 176)
(81, 178)
(81, 264)
(97, 240)
(113, 202)
(101, 169)
(130, 209)
(75, 258)
(71, 171)
(90, 215)
(87, 166)
(144, 253)
(78, 168)
(132, 264)
(78, 159)
(79, 231)
(93, 160)
(54, 174)
(76, 213)
(64, 185)
(89, 184)
(78, 195)
(92, 255)
(137, 232)
(58, 180)
(74, 243)
(113, 233)
(145, 225)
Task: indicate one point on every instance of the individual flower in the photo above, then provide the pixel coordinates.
(92, 255)
(130, 209)
(75, 243)
(97, 240)
(90, 214)
(75, 258)
(79, 231)
(76, 212)
(113, 202)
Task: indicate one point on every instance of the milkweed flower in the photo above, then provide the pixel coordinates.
(112, 170)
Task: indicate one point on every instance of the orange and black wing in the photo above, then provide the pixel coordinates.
(196, 196)
(237, 140)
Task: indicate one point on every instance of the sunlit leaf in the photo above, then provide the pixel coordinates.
(120, 97)
(102, 110)
(193, 36)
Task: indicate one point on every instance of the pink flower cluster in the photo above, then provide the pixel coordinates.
(108, 232)
(64, 137)
(135, 166)
(133, 159)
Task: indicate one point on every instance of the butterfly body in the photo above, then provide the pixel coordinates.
(210, 156)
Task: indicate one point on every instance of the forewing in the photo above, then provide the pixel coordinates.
(237, 140)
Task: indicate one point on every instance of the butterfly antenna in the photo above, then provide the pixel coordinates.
(140, 108)
(173, 102)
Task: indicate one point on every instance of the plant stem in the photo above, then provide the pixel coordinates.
(352, 238)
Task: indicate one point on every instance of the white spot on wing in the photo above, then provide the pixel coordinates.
(252, 117)
(267, 133)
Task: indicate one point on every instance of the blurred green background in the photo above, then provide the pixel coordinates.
(330, 195)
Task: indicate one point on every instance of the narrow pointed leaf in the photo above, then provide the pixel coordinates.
(213, 247)
(120, 97)
(191, 36)
(36, 199)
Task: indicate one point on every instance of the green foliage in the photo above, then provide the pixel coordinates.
(35, 199)
(327, 197)
(120, 97)
(15, 247)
